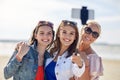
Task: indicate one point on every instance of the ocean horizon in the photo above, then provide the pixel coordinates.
(106, 51)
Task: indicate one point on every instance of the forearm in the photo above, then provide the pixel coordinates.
(94, 78)
(78, 71)
(11, 67)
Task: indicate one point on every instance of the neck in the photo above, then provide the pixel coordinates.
(61, 52)
(63, 49)
(41, 49)
(83, 46)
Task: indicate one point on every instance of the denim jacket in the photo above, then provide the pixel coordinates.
(26, 69)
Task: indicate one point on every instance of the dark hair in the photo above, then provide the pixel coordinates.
(57, 43)
(35, 31)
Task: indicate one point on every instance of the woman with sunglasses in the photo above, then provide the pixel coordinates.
(93, 63)
(64, 64)
(27, 61)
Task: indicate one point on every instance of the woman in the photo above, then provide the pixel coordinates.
(27, 61)
(64, 64)
(93, 63)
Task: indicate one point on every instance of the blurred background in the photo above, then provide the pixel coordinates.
(19, 17)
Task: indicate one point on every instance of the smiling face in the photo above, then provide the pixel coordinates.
(91, 34)
(67, 35)
(44, 35)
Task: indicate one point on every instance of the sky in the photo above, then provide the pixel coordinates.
(19, 17)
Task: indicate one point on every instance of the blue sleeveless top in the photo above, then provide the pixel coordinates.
(50, 71)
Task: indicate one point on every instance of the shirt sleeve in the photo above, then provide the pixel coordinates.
(96, 67)
(78, 71)
(12, 66)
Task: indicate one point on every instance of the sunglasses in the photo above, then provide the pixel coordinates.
(71, 23)
(45, 23)
(88, 30)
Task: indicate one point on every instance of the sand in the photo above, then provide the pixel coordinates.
(111, 68)
(3, 62)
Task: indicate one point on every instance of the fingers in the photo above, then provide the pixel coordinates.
(78, 54)
(74, 54)
(23, 44)
(76, 57)
(18, 45)
(23, 48)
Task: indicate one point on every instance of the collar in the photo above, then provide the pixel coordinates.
(34, 46)
(63, 55)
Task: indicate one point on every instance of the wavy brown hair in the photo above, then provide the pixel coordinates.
(35, 31)
(57, 43)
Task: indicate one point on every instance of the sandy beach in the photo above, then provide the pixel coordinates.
(111, 68)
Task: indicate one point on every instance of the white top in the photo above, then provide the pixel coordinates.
(64, 68)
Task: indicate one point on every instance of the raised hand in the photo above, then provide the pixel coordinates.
(23, 48)
(76, 58)
(17, 46)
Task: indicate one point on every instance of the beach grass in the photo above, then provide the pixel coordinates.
(111, 68)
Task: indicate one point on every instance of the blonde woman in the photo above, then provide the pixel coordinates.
(93, 62)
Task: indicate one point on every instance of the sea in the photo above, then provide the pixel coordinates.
(106, 51)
